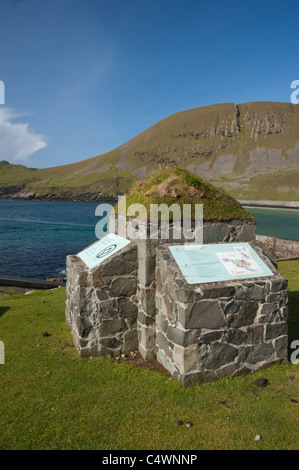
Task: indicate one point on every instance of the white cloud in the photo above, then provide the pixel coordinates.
(17, 142)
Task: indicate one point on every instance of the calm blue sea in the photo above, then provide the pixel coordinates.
(36, 237)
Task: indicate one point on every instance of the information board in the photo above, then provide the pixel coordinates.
(101, 250)
(218, 262)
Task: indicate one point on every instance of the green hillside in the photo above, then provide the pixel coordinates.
(251, 149)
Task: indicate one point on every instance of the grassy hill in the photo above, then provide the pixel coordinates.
(251, 149)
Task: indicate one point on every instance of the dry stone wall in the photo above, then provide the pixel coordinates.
(101, 305)
(213, 232)
(138, 298)
(279, 247)
(208, 331)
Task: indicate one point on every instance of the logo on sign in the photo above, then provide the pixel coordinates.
(106, 251)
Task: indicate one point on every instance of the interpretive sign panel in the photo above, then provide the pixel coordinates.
(218, 262)
(101, 250)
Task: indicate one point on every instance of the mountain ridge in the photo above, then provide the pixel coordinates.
(249, 149)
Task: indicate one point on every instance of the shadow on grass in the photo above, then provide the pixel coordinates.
(3, 310)
(293, 317)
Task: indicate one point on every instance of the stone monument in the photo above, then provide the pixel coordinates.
(140, 297)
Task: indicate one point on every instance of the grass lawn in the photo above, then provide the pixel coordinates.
(52, 399)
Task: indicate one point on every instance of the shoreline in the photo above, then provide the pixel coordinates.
(270, 204)
(103, 198)
(264, 203)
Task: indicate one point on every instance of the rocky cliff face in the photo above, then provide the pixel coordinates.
(226, 140)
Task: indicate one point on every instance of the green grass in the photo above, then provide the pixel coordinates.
(52, 399)
(177, 185)
(281, 185)
(290, 270)
(6, 292)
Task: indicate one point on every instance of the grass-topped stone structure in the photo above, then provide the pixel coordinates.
(139, 299)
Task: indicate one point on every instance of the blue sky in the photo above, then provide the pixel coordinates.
(84, 76)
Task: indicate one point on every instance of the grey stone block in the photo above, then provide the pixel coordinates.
(110, 343)
(278, 285)
(102, 294)
(246, 232)
(204, 314)
(277, 315)
(192, 359)
(276, 296)
(145, 319)
(235, 336)
(147, 299)
(274, 330)
(232, 307)
(251, 292)
(261, 352)
(166, 363)
(255, 334)
(131, 322)
(130, 255)
(245, 316)
(281, 346)
(268, 308)
(161, 321)
(187, 295)
(84, 327)
(197, 377)
(219, 355)
(182, 337)
(147, 337)
(146, 271)
(111, 327)
(130, 341)
(210, 337)
(228, 370)
(117, 267)
(123, 286)
(215, 232)
(162, 342)
(217, 291)
(126, 308)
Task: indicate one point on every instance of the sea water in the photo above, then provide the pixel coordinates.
(36, 236)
